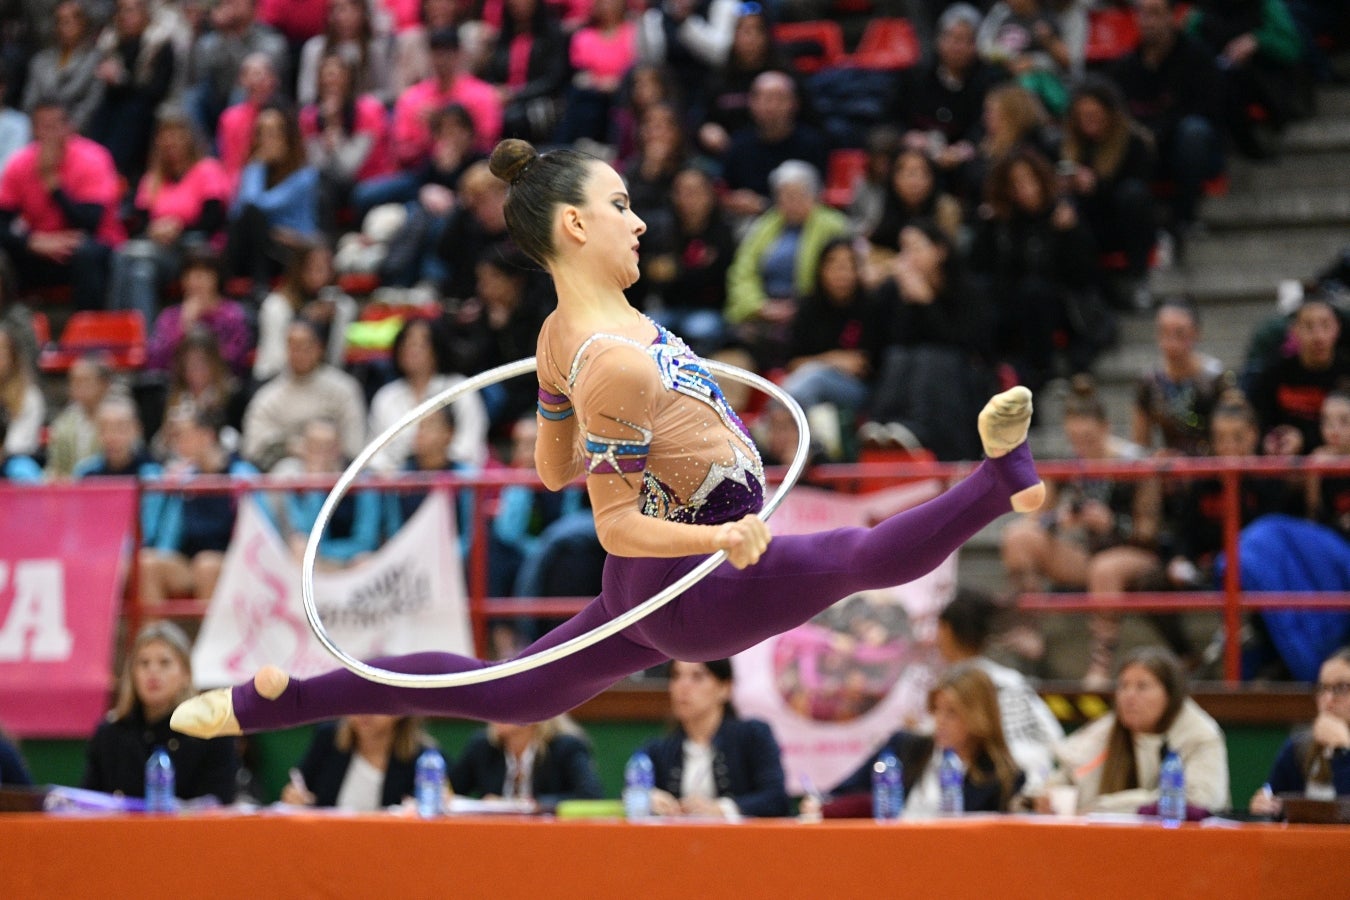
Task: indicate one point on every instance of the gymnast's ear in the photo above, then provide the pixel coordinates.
(571, 222)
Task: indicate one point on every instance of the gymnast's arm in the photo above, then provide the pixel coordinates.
(556, 456)
(618, 390)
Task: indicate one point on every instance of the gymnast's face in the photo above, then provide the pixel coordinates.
(608, 227)
(695, 692)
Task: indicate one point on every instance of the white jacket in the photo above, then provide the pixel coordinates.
(1194, 736)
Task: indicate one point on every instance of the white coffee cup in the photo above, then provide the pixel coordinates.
(1063, 799)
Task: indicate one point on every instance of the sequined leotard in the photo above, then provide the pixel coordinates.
(652, 415)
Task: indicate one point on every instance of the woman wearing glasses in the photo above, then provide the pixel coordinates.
(1320, 756)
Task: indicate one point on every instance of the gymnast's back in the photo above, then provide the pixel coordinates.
(648, 411)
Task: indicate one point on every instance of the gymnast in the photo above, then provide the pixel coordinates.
(672, 475)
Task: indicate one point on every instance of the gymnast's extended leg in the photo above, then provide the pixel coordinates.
(800, 575)
(272, 700)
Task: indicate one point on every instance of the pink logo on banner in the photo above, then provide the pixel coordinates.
(61, 563)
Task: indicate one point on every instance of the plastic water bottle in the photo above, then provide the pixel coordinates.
(888, 788)
(159, 782)
(429, 784)
(639, 778)
(1172, 791)
(951, 784)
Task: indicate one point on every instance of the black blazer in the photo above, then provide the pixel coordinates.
(563, 770)
(325, 767)
(747, 766)
(118, 751)
(914, 751)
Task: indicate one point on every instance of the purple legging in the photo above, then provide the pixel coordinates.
(728, 611)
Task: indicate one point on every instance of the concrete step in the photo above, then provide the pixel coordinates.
(1297, 207)
(1327, 132)
(1283, 252)
(1217, 286)
(1327, 171)
(1333, 102)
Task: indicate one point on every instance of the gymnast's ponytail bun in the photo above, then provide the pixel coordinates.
(511, 159)
(556, 177)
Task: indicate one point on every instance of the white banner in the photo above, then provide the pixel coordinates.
(836, 687)
(408, 596)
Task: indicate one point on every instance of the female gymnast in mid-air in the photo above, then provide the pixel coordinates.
(672, 475)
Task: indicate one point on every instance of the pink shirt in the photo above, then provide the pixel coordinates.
(299, 20)
(606, 56)
(234, 138)
(370, 119)
(86, 174)
(183, 199)
(405, 14)
(412, 137)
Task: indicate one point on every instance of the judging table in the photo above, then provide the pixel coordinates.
(266, 855)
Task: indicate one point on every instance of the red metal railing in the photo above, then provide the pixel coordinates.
(1230, 600)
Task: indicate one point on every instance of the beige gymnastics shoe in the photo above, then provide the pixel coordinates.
(211, 714)
(1004, 421)
(1003, 425)
(206, 715)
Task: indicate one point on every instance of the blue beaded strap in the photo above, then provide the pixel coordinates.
(558, 416)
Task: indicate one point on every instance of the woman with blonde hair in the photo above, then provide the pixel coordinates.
(19, 395)
(544, 762)
(156, 678)
(359, 763)
(966, 720)
(1012, 117)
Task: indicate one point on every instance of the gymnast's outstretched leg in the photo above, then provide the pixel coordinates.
(272, 700)
(800, 575)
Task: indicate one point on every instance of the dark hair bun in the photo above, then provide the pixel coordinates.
(510, 159)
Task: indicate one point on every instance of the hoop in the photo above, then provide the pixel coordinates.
(550, 654)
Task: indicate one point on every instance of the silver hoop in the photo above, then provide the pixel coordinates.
(534, 660)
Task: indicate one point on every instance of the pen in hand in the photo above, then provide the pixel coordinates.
(297, 792)
(814, 801)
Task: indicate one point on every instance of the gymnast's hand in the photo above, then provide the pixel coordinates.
(744, 540)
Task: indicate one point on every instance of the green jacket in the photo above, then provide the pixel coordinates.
(745, 288)
(1277, 37)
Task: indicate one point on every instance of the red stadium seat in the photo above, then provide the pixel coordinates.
(811, 46)
(843, 171)
(1112, 33)
(887, 43)
(358, 284)
(42, 329)
(119, 333)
